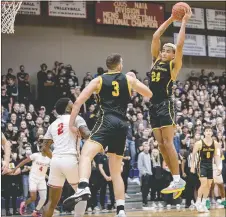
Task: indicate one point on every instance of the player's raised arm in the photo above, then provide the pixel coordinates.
(22, 163)
(197, 147)
(180, 44)
(83, 97)
(155, 44)
(139, 87)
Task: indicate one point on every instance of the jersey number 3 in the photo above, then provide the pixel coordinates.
(60, 128)
(115, 85)
(155, 76)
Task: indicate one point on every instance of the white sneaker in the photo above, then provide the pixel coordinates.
(121, 214)
(80, 195)
(219, 206)
(154, 205)
(205, 209)
(178, 206)
(200, 208)
(168, 207)
(89, 210)
(160, 205)
(96, 209)
(127, 196)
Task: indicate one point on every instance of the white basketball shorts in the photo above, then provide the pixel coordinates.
(37, 184)
(63, 167)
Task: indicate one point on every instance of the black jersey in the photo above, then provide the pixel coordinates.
(114, 94)
(160, 82)
(207, 153)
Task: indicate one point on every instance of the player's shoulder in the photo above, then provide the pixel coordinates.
(199, 143)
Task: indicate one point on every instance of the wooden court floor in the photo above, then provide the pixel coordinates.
(165, 213)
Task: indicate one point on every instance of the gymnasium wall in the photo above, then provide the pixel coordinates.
(85, 45)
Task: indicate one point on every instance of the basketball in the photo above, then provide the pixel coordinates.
(178, 10)
(131, 74)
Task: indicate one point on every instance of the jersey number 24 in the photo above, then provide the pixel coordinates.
(155, 76)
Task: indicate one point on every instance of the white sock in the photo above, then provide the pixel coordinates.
(80, 209)
(120, 202)
(198, 200)
(84, 180)
(42, 199)
(204, 201)
(176, 178)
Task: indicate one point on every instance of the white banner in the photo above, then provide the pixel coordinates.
(197, 19)
(75, 9)
(30, 8)
(216, 46)
(194, 45)
(216, 19)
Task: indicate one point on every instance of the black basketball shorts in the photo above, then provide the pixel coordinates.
(110, 130)
(206, 170)
(162, 114)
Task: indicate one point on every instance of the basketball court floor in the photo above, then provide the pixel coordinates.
(165, 213)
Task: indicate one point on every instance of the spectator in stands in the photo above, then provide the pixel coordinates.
(126, 168)
(145, 168)
(49, 90)
(130, 143)
(10, 75)
(106, 181)
(4, 118)
(32, 111)
(12, 90)
(41, 77)
(6, 99)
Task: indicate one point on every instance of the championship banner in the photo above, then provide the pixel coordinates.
(197, 19)
(132, 14)
(216, 19)
(30, 8)
(216, 46)
(194, 45)
(74, 9)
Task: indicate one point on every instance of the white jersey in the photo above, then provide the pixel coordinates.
(40, 165)
(64, 140)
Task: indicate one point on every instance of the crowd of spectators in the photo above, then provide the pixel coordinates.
(199, 101)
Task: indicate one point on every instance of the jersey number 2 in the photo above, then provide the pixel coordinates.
(115, 85)
(155, 76)
(60, 128)
(40, 168)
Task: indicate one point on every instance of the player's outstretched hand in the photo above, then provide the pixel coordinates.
(187, 16)
(219, 172)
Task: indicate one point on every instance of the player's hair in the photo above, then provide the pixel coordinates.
(173, 46)
(208, 127)
(113, 61)
(61, 105)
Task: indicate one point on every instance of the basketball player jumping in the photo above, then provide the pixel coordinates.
(40, 164)
(208, 149)
(166, 66)
(113, 90)
(64, 163)
(6, 149)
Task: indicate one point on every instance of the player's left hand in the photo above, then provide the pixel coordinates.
(5, 167)
(187, 16)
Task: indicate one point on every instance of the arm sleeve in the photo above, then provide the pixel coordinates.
(48, 134)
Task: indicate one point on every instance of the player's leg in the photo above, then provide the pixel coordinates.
(56, 183)
(89, 151)
(54, 197)
(178, 184)
(33, 184)
(115, 164)
(158, 136)
(70, 170)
